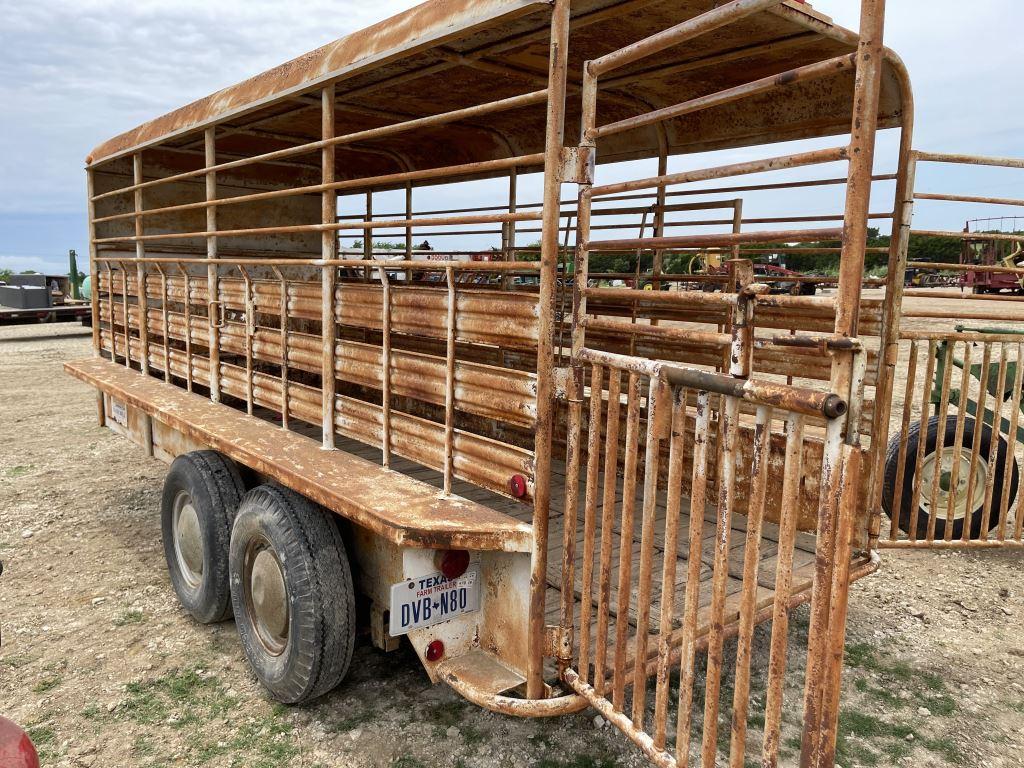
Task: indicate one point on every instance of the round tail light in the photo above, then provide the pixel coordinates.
(517, 486)
(453, 563)
(435, 650)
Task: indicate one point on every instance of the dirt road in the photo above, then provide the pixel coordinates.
(105, 669)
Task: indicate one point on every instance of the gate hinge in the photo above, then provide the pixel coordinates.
(558, 642)
(577, 165)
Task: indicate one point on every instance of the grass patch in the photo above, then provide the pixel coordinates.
(20, 470)
(578, 761)
(406, 761)
(16, 660)
(129, 617)
(48, 683)
(888, 741)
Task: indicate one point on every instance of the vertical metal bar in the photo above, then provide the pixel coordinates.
(368, 235)
(554, 131)
(142, 300)
(125, 316)
(212, 275)
(673, 504)
(590, 515)
(250, 319)
(449, 381)
(922, 436)
(110, 312)
(978, 429)
(748, 599)
(658, 265)
(166, 323)
(408, 216)
(863, 130)
(626, 539)
(737, 224)
(901, 462)
(848, 507)
(188, 325)
(611, 481)
(993, 452)
(961, 413)
(1011, 438)
(691, 601)
(569, 518)
(821, 592)
(790, 510)
(385, 442)
(726, 475)
(943, 414)
(328, 274)
(888, 354)
(656, 396)
(94, 272)
(283, 310)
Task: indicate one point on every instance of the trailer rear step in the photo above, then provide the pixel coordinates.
(404, 510)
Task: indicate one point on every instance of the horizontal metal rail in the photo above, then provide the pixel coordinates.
(426, 266)
(514, 102)
(731, 238)
(966, 235)
(784, 162)
(968, 199)
(797, 399)
(995, 162)
(764, 85)
(687, 30)
(331, 227)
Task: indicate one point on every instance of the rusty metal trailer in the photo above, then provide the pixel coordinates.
(565, 492)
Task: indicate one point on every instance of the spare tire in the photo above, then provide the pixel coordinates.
(935, 460)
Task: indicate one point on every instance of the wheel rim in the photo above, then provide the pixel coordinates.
(962, 505)
(188, 539)
(266, 596)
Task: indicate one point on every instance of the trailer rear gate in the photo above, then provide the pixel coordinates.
(641, 474)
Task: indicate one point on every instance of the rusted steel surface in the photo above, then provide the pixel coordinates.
(403, 510)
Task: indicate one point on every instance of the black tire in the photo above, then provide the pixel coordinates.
(949, 439)
(312, 654)
(213, 486)
(808, 289)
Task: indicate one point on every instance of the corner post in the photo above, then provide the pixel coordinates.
(554, 134)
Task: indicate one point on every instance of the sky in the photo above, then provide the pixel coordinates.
(73, 74)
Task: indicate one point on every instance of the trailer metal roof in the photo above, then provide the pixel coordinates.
(448, 54)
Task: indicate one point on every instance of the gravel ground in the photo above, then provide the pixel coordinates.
(105, 669)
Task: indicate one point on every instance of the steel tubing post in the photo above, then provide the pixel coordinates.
(554, 134)
(140, 271)
(864, 126)
(329, 251)
(212, 275)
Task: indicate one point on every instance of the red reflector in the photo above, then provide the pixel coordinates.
(517, 486)
(454, 563)
(435, 650)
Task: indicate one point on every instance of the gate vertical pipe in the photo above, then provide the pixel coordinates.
(212, 277)
(863, 131)
(328, 250)
(554, 133)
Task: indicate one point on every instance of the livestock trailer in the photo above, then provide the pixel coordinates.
(565, 492)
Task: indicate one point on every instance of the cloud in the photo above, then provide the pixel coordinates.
(73, 74)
